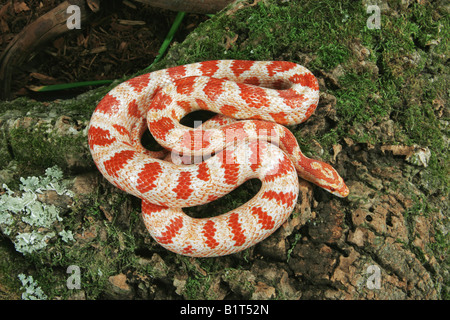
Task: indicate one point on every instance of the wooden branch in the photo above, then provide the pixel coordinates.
(32, 37)
(193, 6)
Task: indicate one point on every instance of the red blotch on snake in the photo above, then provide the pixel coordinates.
(171, 231)
(118, 161)
(148, 176)
(264, 219)
(236, 229)
(100, 137)
(183, 188)
(208, 232)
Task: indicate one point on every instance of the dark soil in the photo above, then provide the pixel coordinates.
(106, 48)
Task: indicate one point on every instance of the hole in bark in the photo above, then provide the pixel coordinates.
(389, 220)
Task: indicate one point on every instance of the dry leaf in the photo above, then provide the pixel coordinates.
(131, 22)
(94, 5)
(99, 49)
(349, 141)
(123, 45)
(337, 148)
(43, 78)
(399, 150)
(20, 7)
(129, 4)
(415, 154)
(230, 41)
(107, 214)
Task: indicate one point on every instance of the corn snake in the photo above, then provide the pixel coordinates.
(270, 94)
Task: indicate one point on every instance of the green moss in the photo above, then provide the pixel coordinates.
(39, 148)
(11, 263)
(196, 287)
(265, 32)
(440, 248)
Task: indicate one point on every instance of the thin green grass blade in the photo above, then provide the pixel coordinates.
(169, 37)
(66, 86)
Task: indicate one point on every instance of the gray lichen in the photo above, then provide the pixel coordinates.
(25, 207)
(32, 290)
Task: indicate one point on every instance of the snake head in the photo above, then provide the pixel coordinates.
(325, 176)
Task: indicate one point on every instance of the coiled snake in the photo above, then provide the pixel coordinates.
(269, 94)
